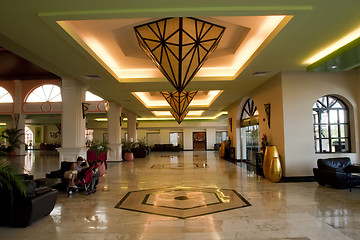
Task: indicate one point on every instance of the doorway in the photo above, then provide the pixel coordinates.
(199, 141)
(29, 138)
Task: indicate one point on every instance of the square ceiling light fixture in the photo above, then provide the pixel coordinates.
(196, 113)
(156, 99)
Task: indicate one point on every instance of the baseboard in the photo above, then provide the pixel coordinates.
(299, 179)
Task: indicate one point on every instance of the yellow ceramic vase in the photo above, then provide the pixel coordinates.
(271, 165)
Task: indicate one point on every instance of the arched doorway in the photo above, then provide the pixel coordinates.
(29, 138)
(249, 124)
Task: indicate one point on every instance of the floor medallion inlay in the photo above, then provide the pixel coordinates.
(182, 202)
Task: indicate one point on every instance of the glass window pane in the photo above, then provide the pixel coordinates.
(47, 91)
(324, 117)
(333, 116)
(316, 131)
(337, 105)
(56, 98)
(334, 131)
(324, 101)
(343, 116)
(335, 145)
(5, 96)
(325, 145)
(332, 101)
(347, 144)
(317, 145)
(89, 96)
(324, 131)
(55, 94)
(344, 130)
(315, 117)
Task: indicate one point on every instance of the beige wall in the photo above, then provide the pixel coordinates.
(50, 135)
(271, 92)
(165, 127)
(300, 92)
(292, 95)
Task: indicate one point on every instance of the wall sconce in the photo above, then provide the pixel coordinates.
(85, 108)
(230, 124)
(267, 111)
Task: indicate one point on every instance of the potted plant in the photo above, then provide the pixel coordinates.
(127, 149)
(100, 150)
(12, 136)
(9, 179)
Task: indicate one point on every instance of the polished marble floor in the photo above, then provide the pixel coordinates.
(297, 211)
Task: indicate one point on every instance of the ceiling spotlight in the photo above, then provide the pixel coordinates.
(261, 74)
(92, 77)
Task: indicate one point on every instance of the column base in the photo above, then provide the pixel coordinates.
(114, 155)
(71, 154)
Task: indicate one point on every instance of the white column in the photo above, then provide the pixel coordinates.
(164, 136)
(72, 122)
(188, 138)
(237, 143)
(210, 138)
(18, 117)
(131, 126)
(114, 132)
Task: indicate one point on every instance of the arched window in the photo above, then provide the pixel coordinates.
(89, 96)
(5, 96)
(331, 125)
(45, 93)
(249, 114)
(249, 131)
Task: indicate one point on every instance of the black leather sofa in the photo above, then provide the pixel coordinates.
(166, 148)
(18, 210)
(335, 172)
(140, 152)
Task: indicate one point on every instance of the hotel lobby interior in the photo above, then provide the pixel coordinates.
(197, 75)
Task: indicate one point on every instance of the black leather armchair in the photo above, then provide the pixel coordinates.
(333, 172)
(18, 210)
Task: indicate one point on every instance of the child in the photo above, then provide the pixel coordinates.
(71, 175)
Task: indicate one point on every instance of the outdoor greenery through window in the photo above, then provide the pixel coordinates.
(331, 125)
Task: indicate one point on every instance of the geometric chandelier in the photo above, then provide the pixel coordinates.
(179, 46)
(179, 103)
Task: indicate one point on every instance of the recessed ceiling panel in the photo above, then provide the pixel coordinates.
(112, 42)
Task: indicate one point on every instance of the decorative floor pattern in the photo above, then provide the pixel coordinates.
(179, 166)
(182, 202)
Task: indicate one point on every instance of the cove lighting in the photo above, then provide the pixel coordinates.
(168, 113)
(97, 38)
(333, 47)
(170, 118)
(201, 99)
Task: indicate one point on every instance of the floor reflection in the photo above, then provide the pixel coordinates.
(286, 210)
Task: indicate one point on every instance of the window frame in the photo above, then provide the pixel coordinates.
(322, 119)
